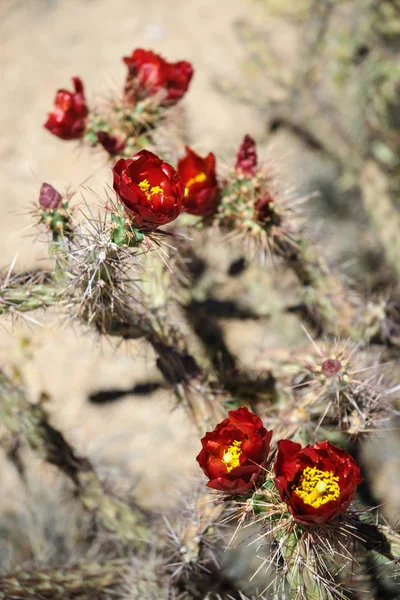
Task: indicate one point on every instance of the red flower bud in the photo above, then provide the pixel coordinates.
(111, 143)
(68, 121)
(150, 189)
(331, 366)
(246, 158)
(201, 186)
(234, 453)
(151, 73)
(49, 198)
(316, 482)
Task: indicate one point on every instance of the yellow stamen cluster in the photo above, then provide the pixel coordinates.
(318, 487)
(145, 187)
(199, 178)
(232, 454)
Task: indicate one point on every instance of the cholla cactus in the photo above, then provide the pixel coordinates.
(283, 477)
(252, 205)
(308, 535)
(341, 392)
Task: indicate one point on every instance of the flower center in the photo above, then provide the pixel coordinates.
(149, 191)
(231, 455)
(199, 178)
(318, 487)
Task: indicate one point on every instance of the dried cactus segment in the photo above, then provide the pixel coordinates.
(196, 550)
(146, 578)
(124, 520)
(83, 581)
(100, 280)
(46, 527)
(189, 381)
(190, 537)
(381, 318)
(383, 213)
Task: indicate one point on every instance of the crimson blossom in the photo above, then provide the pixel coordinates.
(234, 453)
(149, 73)
(150, 190)
(68, 121)
(202, 194)
(316, 482)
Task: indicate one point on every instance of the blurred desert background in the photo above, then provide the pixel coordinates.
(232, 45)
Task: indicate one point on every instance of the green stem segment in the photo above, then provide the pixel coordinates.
(25, 298)
(301, 570)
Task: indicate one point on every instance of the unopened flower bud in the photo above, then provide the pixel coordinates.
(111, 143)
(330, 367)
(246, 159)
(49, 198)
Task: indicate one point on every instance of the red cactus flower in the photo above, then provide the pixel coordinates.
(201, 186)
(150, 189)
(246, 158)
(149, 72)
(49, 198)
(234, 453)
(111, 143)
(316, 482)
(68, 121)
